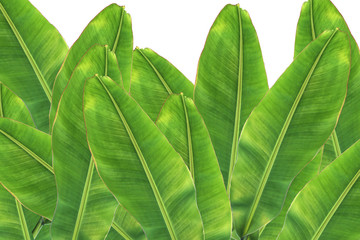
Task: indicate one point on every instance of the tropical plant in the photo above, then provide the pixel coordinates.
(103, 141)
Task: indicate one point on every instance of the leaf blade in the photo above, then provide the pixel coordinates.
(154, 79)
(183, 126)
(305, 100)
(25, 41)
(231, 80)
(125, 125)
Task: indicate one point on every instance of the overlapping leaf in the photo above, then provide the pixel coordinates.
(329, 206)
(31, 53)
(85, 206)
(153, 79)
(111, 27)
(272, 230)
(316, 17)
(16, 221)
(125, 227)
(287, 128)
(138, 164)
(25, 166)
(183, 126)
(231, 80)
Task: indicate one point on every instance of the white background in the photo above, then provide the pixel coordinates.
(177, 30)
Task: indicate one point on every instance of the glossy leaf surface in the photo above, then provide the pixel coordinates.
(138, 164)
(329, 206)
(31, 53)
(292, 122)
(181, 123)
(316, 17)
(231, 80)
(80, 190)
(153, 79)
(111, 27)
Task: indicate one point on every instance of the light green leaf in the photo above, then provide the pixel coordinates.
(272, 230)
(330, 152)
(329, 206)
(316, 17)
(111, 27)
(13, 224)
(25, 169)
(31, 53)
(44, 233)
(153, 79)
(125, 227)
(138, 164)
(231, 80)
(11, 106)
(287, 128)
(181, 123)
(83, 200)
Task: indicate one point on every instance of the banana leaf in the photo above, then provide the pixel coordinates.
(153, 79)
(16, 221)
(25, 169)
(138, 164)
(287, 128)
(231, 80)
(182, 125)
(85, 206)
(111, 27)
(316, 17)
(125, 227)
(272, 230)
(31, 53)
(329, 206)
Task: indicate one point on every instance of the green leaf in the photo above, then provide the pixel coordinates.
(231, 80)
(181, 123)
(111, 27)
(330, 152)
(138, 164)
(287, 128)
(12, 219)
(11, 106)
(153, 79)
(83, 200)
(125, 227)
(329, 206)
(272, 230)
(25, 169)
(31, 53)
(44, 233)
(316, 17)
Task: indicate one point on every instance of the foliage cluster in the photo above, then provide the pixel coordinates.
(103, 141)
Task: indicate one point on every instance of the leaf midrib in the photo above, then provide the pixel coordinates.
(84, 198)
(22, 220)
(28, 54)
(119, 30)
(160, 77)
(336, 206)
(147, 171)
(236, 132)
(120, 231)
(334, 137)
(28, 151)
(281, 137)
(188, 132)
